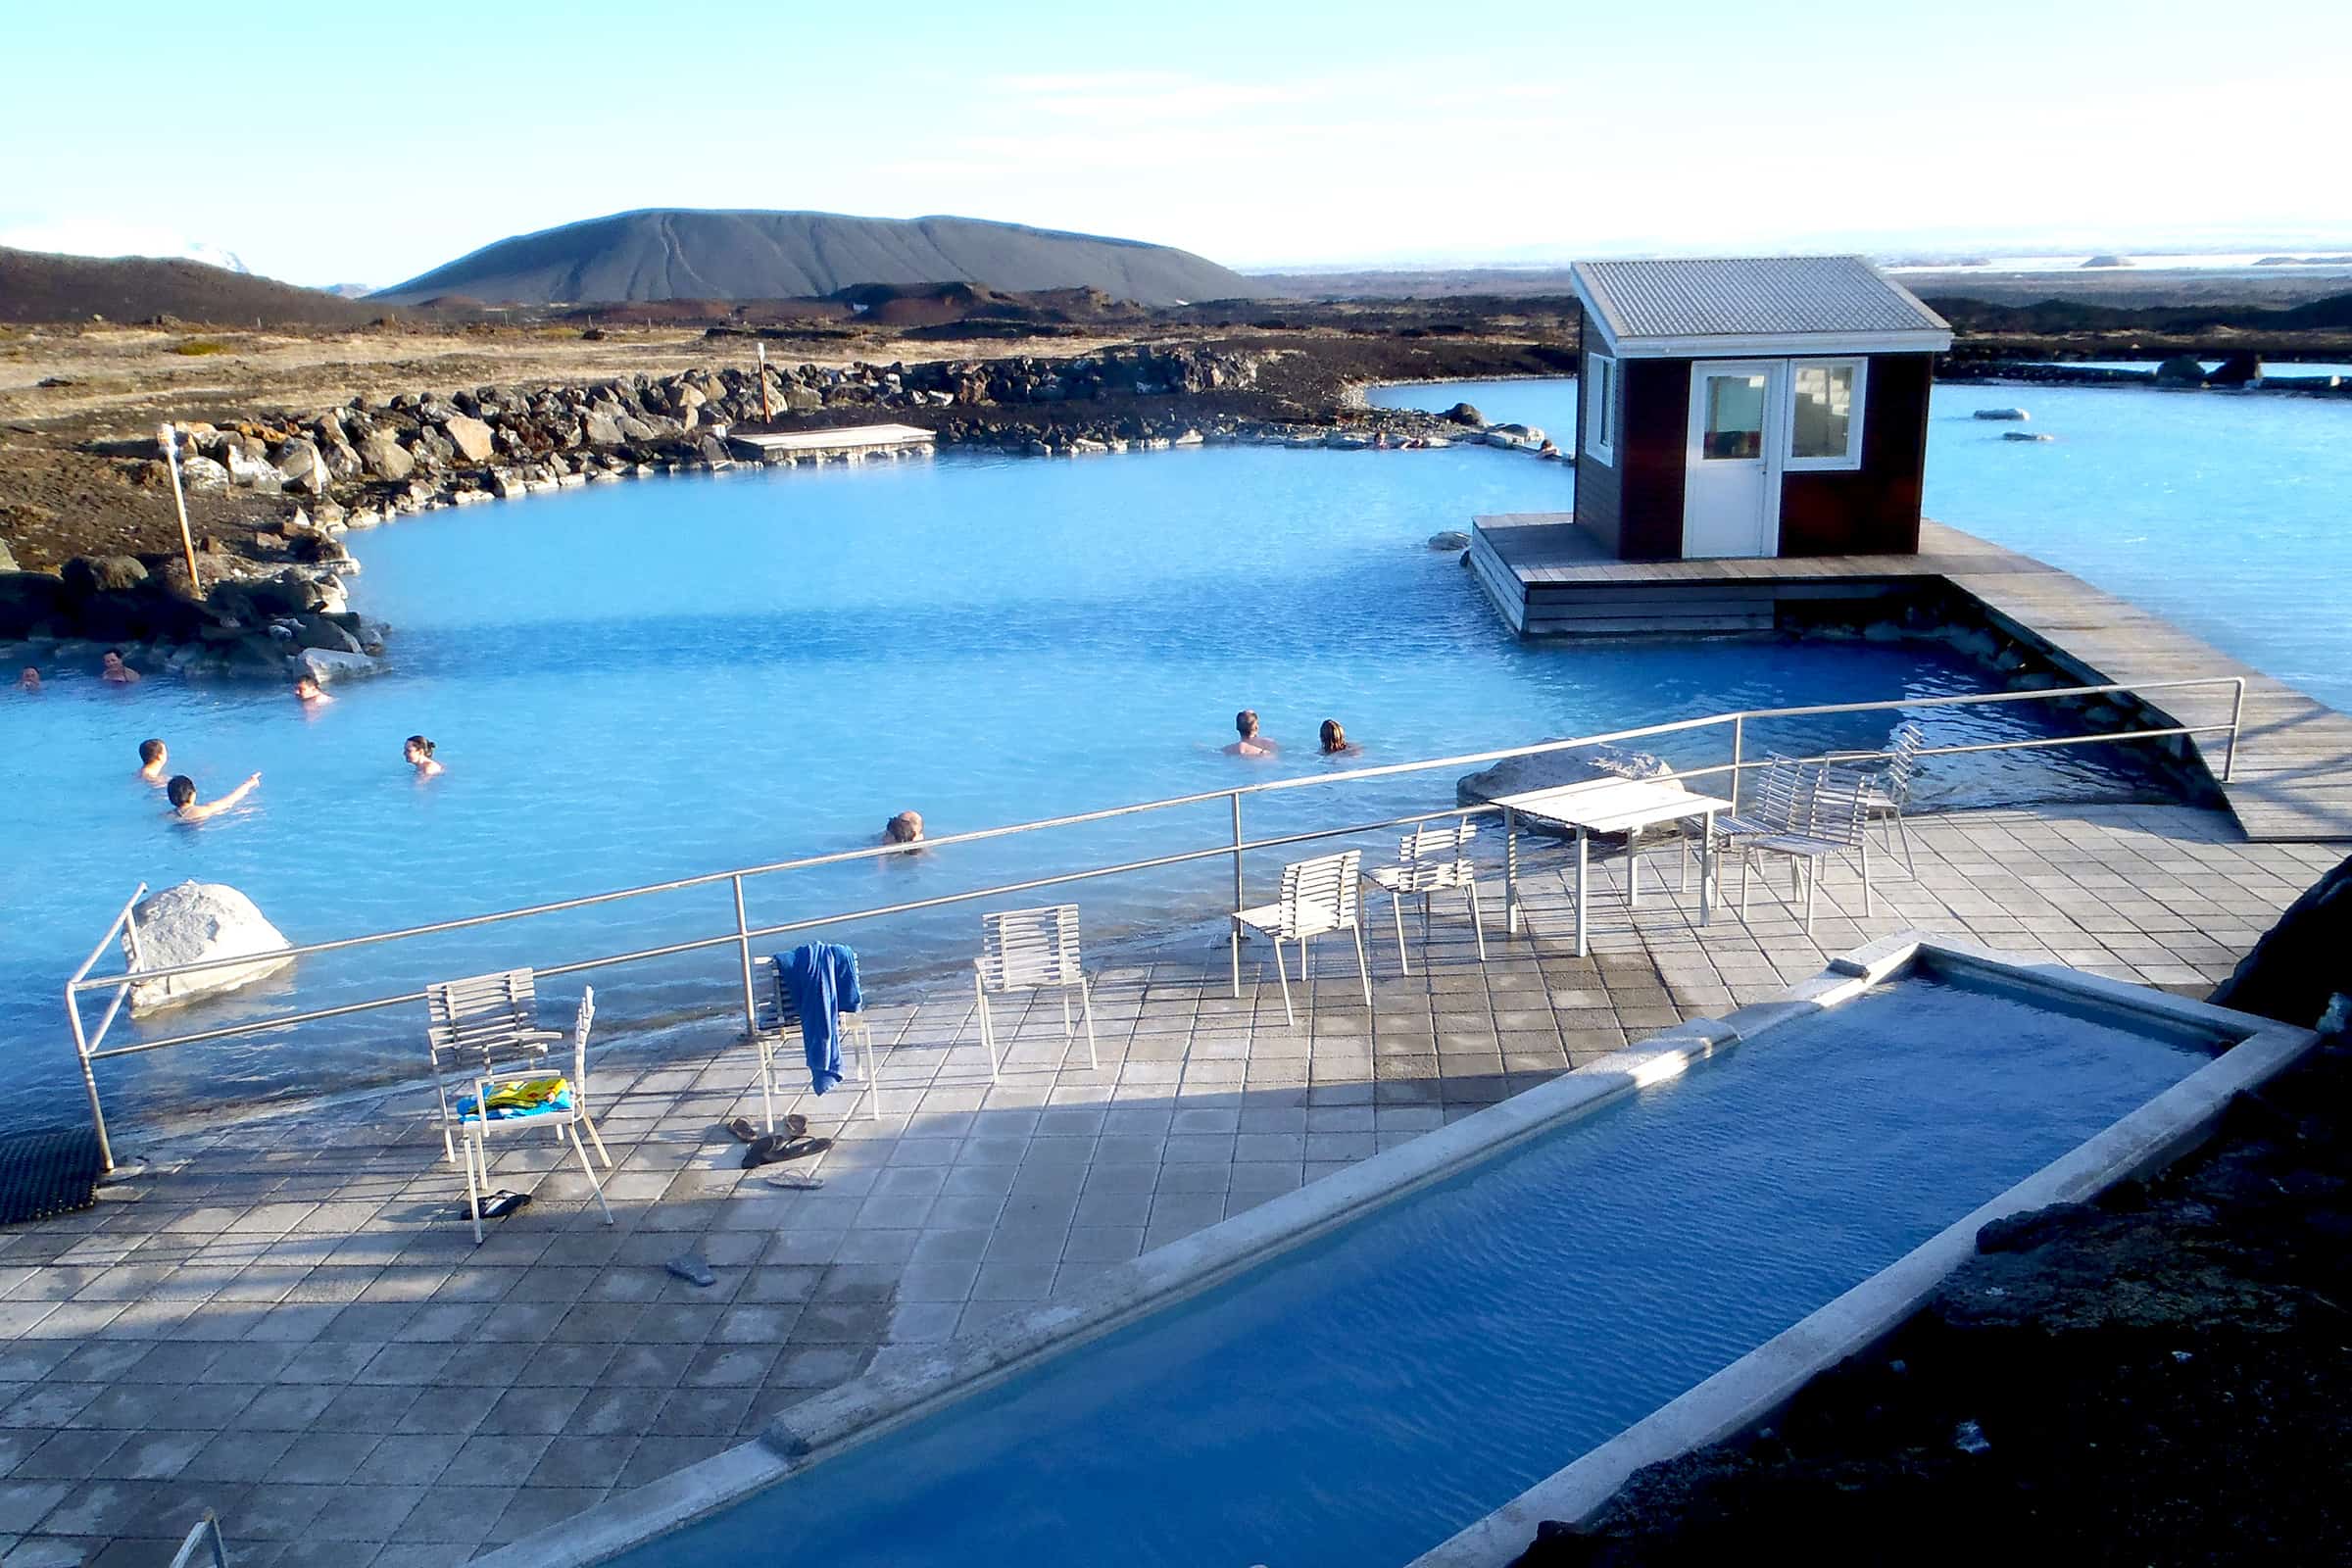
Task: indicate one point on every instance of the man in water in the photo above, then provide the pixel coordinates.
(1251, 743)
(113, 671)
(185, 807)
(151, 762)
(310, 693)
(905, 828)
(30, 680)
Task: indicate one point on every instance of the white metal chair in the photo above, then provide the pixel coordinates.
(1773, 801)
(1887, 791)
(1317, 896)
(1833, 821)
(1031, 949)
(474, 1113)
(1430, 861)
(774, 1018)
(479, 1023)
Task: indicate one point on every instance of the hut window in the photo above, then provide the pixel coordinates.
(1601, 409)
(1825, 422)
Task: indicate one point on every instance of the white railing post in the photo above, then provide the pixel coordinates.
(2238, 712)
(1738, 743)
(743, 950)
(89, 1079)
(1240, 901)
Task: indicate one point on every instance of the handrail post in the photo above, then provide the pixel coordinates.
(89, 1080)
(743, 949)
(1240, 901)
(2237, 710)
(1738, 742)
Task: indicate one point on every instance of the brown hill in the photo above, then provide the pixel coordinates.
(36, 286)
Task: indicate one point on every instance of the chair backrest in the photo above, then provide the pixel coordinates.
(1839, 808)
(474, 1022)
(1436, 857)
(1320, 895)
(1902, 761)
(1780, 797)
(579, 1037)
(1022, 949)
(773, 1012)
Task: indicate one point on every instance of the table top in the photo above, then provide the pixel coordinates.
(1612, 804)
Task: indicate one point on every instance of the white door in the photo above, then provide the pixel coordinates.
(1732, 475)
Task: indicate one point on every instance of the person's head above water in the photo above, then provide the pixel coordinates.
(417, 749)
(152, 753)
(30, 680)
(905, 828)
(1335, 739)
(1246, 721)
(307, 688)
(180, 792)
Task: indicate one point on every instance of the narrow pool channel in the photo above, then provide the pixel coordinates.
(1357, 1400)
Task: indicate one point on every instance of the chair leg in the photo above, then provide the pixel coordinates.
(987, 1032)
(1067, 1029)
(1477, 924)
(1086, 1010)
(589, 1122)
(767, 1083)
(594, 1181)
(1289, 1016)
(449, 1148)
(474, 1193)
(1902, 834)
(874, 1083)
(1812, 883)
(1396, 913)
(1866, 873)
(1363, 966)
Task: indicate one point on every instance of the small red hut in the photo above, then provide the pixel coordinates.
(1760, 406)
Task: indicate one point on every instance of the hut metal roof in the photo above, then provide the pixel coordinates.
(1673, 307)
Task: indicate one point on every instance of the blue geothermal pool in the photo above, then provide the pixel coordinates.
(637, 682)
(1356, 1400)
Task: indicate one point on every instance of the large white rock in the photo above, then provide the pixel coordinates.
(471, 436)
(326, 666)
(191, 924)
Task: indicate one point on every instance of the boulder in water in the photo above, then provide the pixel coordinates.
(2003, 413)
(2239, 369)
(2026, 435)
(1466, 414)
(2182, 370)
(192, 923)
(1449, 539)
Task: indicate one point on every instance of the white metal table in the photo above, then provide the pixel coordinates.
(1609, 806)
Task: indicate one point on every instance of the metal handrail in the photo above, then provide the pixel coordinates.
(208, 1525)
(90, 1045)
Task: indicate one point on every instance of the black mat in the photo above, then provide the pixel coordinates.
(54, 1171)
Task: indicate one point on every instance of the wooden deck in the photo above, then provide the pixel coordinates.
(2292, 774)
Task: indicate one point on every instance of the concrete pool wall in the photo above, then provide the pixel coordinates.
(873, 1405)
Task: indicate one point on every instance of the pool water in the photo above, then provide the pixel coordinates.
(2229, 515)
(637, 682)
(1356, 1400)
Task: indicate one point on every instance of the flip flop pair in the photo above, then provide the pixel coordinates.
(769, 1148)
(794, 1125)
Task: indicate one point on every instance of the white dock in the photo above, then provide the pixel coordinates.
(849, 444)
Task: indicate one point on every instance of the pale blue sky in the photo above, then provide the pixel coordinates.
(327, 144)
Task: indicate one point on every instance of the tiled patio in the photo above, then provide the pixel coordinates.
(287, 1320)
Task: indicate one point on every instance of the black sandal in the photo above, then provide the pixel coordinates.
(501, 1204)
(776, 1146)
(794, 1125)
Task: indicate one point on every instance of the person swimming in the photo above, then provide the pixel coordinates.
(1333, 741)
(113, 671)
(185, 807)
(152, 754)
(418, 752)
(905, 828)
(30, 680)
(310, 693)
(1251, 743)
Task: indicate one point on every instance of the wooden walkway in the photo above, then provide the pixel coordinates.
(850, 442)
(2292, 775)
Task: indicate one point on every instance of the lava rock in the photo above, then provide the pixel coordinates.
(192, 923)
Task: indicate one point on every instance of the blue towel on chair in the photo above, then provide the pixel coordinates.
(820, 984)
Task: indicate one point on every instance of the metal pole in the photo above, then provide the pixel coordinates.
(1240, 900)
(2237, 708)
(89, 1081)
(763, 383)
(170, 436)
(743, 948)
(1739, 745)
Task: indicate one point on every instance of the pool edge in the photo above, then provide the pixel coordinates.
(1761, 1382)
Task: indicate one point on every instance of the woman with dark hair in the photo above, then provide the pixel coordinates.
(418, 752)
(905, 828)
(1335, 741)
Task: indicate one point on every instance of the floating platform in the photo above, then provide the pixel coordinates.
(2292, 776)
(851, 444)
